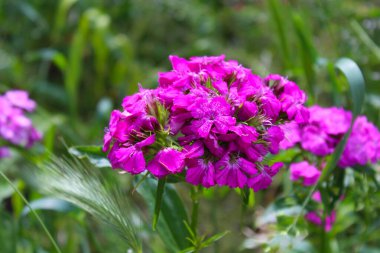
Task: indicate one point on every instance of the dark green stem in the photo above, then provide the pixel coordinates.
(195, 210)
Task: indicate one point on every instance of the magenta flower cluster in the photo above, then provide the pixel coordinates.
(321, 135)
(210, 120)
(15, 127)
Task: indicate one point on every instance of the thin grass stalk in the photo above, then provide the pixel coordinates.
(53, 242)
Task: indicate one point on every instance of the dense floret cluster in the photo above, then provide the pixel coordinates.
(210, 120)
(15, 127)
(321, 135)
(319, 138)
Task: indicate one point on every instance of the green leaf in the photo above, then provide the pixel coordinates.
(6, 190)
(60, 17)
(214, 238)
(248, 197)
(325, 199)
(170, 226)
(365, 38)
(276, 11)
(308, 53)
(74, 68)
(49, 203)
(356, 81)
(93, 153)
(285, 156)
(188, 250)
(49, 54)
(157, 205)
(357, 87)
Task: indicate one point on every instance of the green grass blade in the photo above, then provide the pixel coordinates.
(364, 37)
(60, 17)
(74, 67)
(308, 53)
(276, 9)
(101, 51)
(51, 238)
(214, 238)
(356, 82)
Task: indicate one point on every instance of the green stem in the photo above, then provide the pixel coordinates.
(195, 210)
(32, 210)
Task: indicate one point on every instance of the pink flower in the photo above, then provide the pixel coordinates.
(215, 114)
(264, 179)
(274, 136)
(20, 99)
(248, 110)
(309, 173)
(4, 152)
(234, 171)
(291, 135)
(331, 120)
(130, 157)
(270, 105)
(167, 161)
(222, 117)
(363, 145)
(315, 218)
(200, 172)
(291, 96)
(15, 126)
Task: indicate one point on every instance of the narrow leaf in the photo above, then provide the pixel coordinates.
(188, 250)
(365, 38)
(157, 207)
(6, 190)
(215, 238)
(53, 204)
(357, 87)
(93, 153)
(170, 226)
(276, 10)
(356, 81)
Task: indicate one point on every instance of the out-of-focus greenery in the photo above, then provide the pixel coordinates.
(79, 58)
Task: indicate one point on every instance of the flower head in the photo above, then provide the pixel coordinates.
(15, 126)
(212, 119)
(309, 173)
(167, 161)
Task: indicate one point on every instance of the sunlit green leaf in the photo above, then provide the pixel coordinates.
(53, 204)
(215, 238)
(93, 153)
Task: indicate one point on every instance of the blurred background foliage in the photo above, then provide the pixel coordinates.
(79, 58)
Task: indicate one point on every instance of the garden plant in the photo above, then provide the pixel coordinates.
(189, 126)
